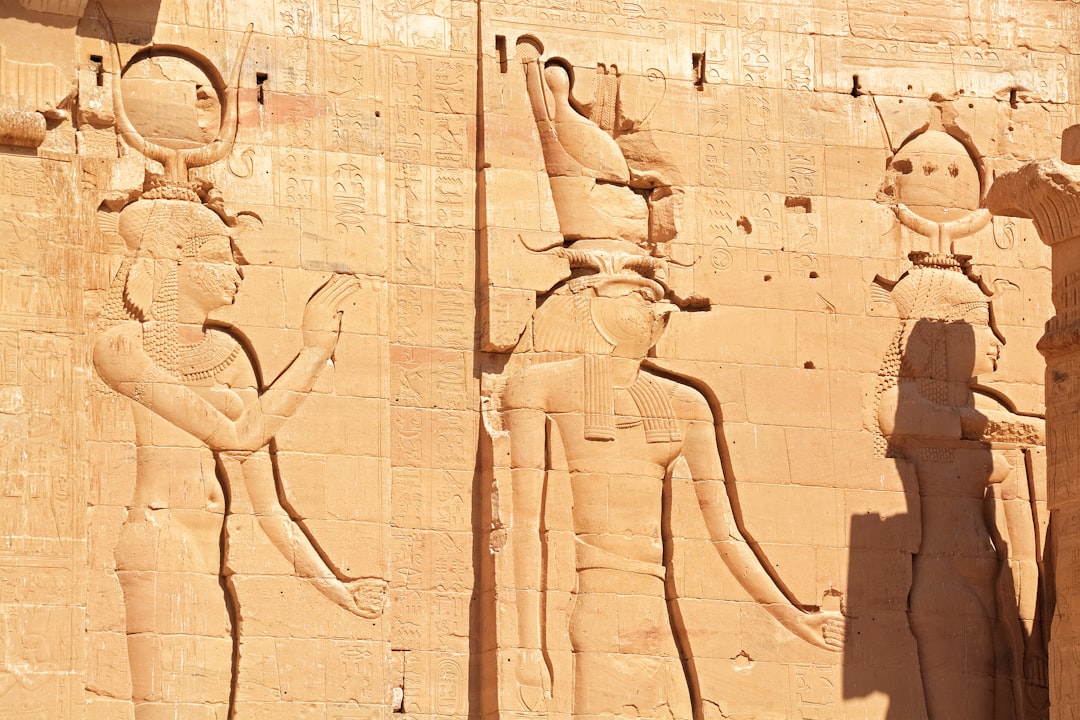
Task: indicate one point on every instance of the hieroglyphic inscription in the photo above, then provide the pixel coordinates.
(815, 691)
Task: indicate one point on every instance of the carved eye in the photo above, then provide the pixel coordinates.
(633, 321)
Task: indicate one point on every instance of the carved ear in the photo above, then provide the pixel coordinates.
(880, 294)
(139, 288)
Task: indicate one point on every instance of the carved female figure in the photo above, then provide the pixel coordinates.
(930, 414)
(202, 424)
(203, 421)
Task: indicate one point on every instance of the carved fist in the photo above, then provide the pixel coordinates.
(973, 424)
(826, 630)
(322, 316)
(369, 596)
(534, 682)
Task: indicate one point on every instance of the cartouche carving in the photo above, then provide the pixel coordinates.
(594, 416)
(202, 426)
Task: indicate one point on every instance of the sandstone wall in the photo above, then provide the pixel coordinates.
(395, 143)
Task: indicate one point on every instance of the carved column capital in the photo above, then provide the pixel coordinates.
(22, 128)
(1048, 192)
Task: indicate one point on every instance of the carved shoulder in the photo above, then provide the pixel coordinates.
(119, 356)
(687, 402)
(542, 387)
(904, 411)
(238, 368)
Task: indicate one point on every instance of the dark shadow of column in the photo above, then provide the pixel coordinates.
(954, 587)
(880, 655)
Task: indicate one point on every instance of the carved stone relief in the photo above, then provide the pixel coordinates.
(520, 358)
(1043, 191)
(589, 425)
(976, 606)
(206, 467)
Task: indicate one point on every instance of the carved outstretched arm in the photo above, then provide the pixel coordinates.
(124, 365)
(822, 629)
(527, 428)
(904, 411)
(322, 326)
(916, 415)
(361, 596)
(1021, 542)
(1002, 425)
(1016, 496)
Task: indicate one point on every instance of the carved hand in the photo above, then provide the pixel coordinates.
(826, 630)
(1035, 670)
(973, 424)
(534, 682)
(369, 595)
(322, 316)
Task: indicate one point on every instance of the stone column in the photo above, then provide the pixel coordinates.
(1048, 192)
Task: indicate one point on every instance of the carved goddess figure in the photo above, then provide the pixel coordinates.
(593, 413)
(978, 642)
(202, 425)
(194, 389)
(930, 414)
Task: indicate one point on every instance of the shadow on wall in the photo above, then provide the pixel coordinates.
(134, 21)
(53, 39)
(932, 591)
(880, 654)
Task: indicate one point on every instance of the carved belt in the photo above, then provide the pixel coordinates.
(590, 557)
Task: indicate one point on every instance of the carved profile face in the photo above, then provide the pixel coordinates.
(986, 351)
(184, 264)
(208, 281)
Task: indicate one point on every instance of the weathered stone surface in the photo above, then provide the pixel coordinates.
(515, 358)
